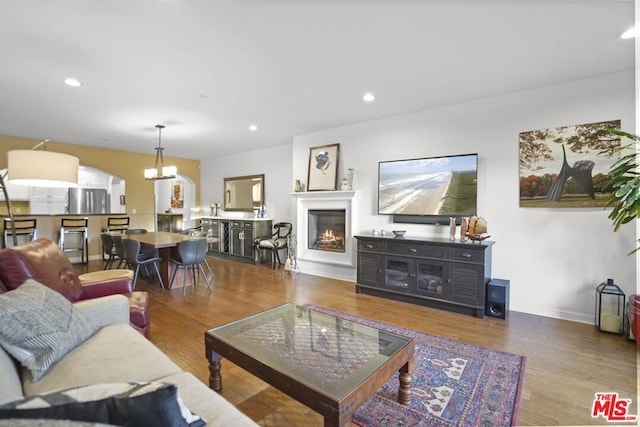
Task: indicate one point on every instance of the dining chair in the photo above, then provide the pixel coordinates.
(274, 243)
(147, 251)
(135, 231)
(108, 249)
(135, 259)
(197, 232)
(119, 249)
(191, 255)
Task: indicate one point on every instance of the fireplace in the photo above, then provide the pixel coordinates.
(325, 221)
(326, 228)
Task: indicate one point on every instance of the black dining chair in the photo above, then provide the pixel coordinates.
(147, 251)
(108, 250)
(135, 231)
(274, 243)
(119, 249)
(135, 259)
(191, 255)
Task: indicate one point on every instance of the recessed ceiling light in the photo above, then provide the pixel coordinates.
(368, 97)
(72, 82)
(630, 33)
(253, 128)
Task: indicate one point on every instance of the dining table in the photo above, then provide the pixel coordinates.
(164, 242)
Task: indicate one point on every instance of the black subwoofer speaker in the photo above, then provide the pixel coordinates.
(497, 298)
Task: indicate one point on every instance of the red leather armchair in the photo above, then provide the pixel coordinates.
(43, 261)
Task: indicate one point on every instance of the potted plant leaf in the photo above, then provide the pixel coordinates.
(625, 176)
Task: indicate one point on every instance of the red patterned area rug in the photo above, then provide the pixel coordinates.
(454, 384)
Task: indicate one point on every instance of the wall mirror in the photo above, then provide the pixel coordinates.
(243, 193)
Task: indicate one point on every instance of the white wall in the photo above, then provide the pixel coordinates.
(554, 258)
(164, 189)
(274, 163)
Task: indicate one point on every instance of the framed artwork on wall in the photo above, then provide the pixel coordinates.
(177, 194)
(323, 168)
(568, 167)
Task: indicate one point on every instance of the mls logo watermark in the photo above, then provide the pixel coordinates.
(612, 408)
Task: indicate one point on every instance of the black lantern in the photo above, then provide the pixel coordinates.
(609, 307)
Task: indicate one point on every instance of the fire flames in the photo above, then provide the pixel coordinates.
(329, 241)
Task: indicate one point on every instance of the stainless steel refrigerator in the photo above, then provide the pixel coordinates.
(88, 201)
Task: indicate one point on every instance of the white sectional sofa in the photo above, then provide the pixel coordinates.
(116, 353)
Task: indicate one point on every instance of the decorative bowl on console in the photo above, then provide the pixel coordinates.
(399, 233)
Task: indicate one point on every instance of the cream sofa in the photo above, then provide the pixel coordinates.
(116, 353)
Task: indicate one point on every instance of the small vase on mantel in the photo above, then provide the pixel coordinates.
(350, 178)
(463, 230)
(452, 228)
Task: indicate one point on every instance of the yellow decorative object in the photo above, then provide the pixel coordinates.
(477, 225)
(477, 229)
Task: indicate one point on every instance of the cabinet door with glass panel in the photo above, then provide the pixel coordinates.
(416, 276)
(431, 279)
(399, 274)
(212, 228)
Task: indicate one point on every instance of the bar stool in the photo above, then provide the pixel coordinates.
(25, 231)
(116, 224)
(74, 236)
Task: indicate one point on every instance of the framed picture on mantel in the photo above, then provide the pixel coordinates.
(323, 168)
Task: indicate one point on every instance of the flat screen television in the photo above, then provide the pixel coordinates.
(429, 190)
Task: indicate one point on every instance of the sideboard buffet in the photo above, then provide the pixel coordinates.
(441, 273)
(235, 237)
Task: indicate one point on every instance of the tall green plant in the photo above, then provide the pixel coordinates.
(625, 175)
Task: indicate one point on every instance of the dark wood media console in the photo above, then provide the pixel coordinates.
(450, 275)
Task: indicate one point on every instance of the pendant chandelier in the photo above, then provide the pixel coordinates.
(160, 171)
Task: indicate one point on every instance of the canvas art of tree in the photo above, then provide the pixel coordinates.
(568, 166)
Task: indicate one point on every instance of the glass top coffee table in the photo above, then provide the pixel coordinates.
(329, 364)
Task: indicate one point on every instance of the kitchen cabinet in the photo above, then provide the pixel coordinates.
(241, 239)
(48, 201)
(91, 179)
(16, 192)
(433, 272)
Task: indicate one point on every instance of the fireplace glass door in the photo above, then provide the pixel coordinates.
(327, 228)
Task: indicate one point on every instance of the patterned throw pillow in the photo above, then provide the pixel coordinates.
(133, 404)
(39, 326)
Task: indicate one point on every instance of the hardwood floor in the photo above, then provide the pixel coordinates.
(567, 362)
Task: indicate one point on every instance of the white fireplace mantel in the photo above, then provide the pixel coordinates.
(313, 259)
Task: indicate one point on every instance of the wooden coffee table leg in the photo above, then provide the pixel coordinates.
(215, 379)
(404, 390)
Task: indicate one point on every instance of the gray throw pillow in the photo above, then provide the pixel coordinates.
(39, 326)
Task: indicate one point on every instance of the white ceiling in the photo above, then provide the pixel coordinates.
(207, 69)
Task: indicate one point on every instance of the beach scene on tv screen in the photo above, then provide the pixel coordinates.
(431, 186)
